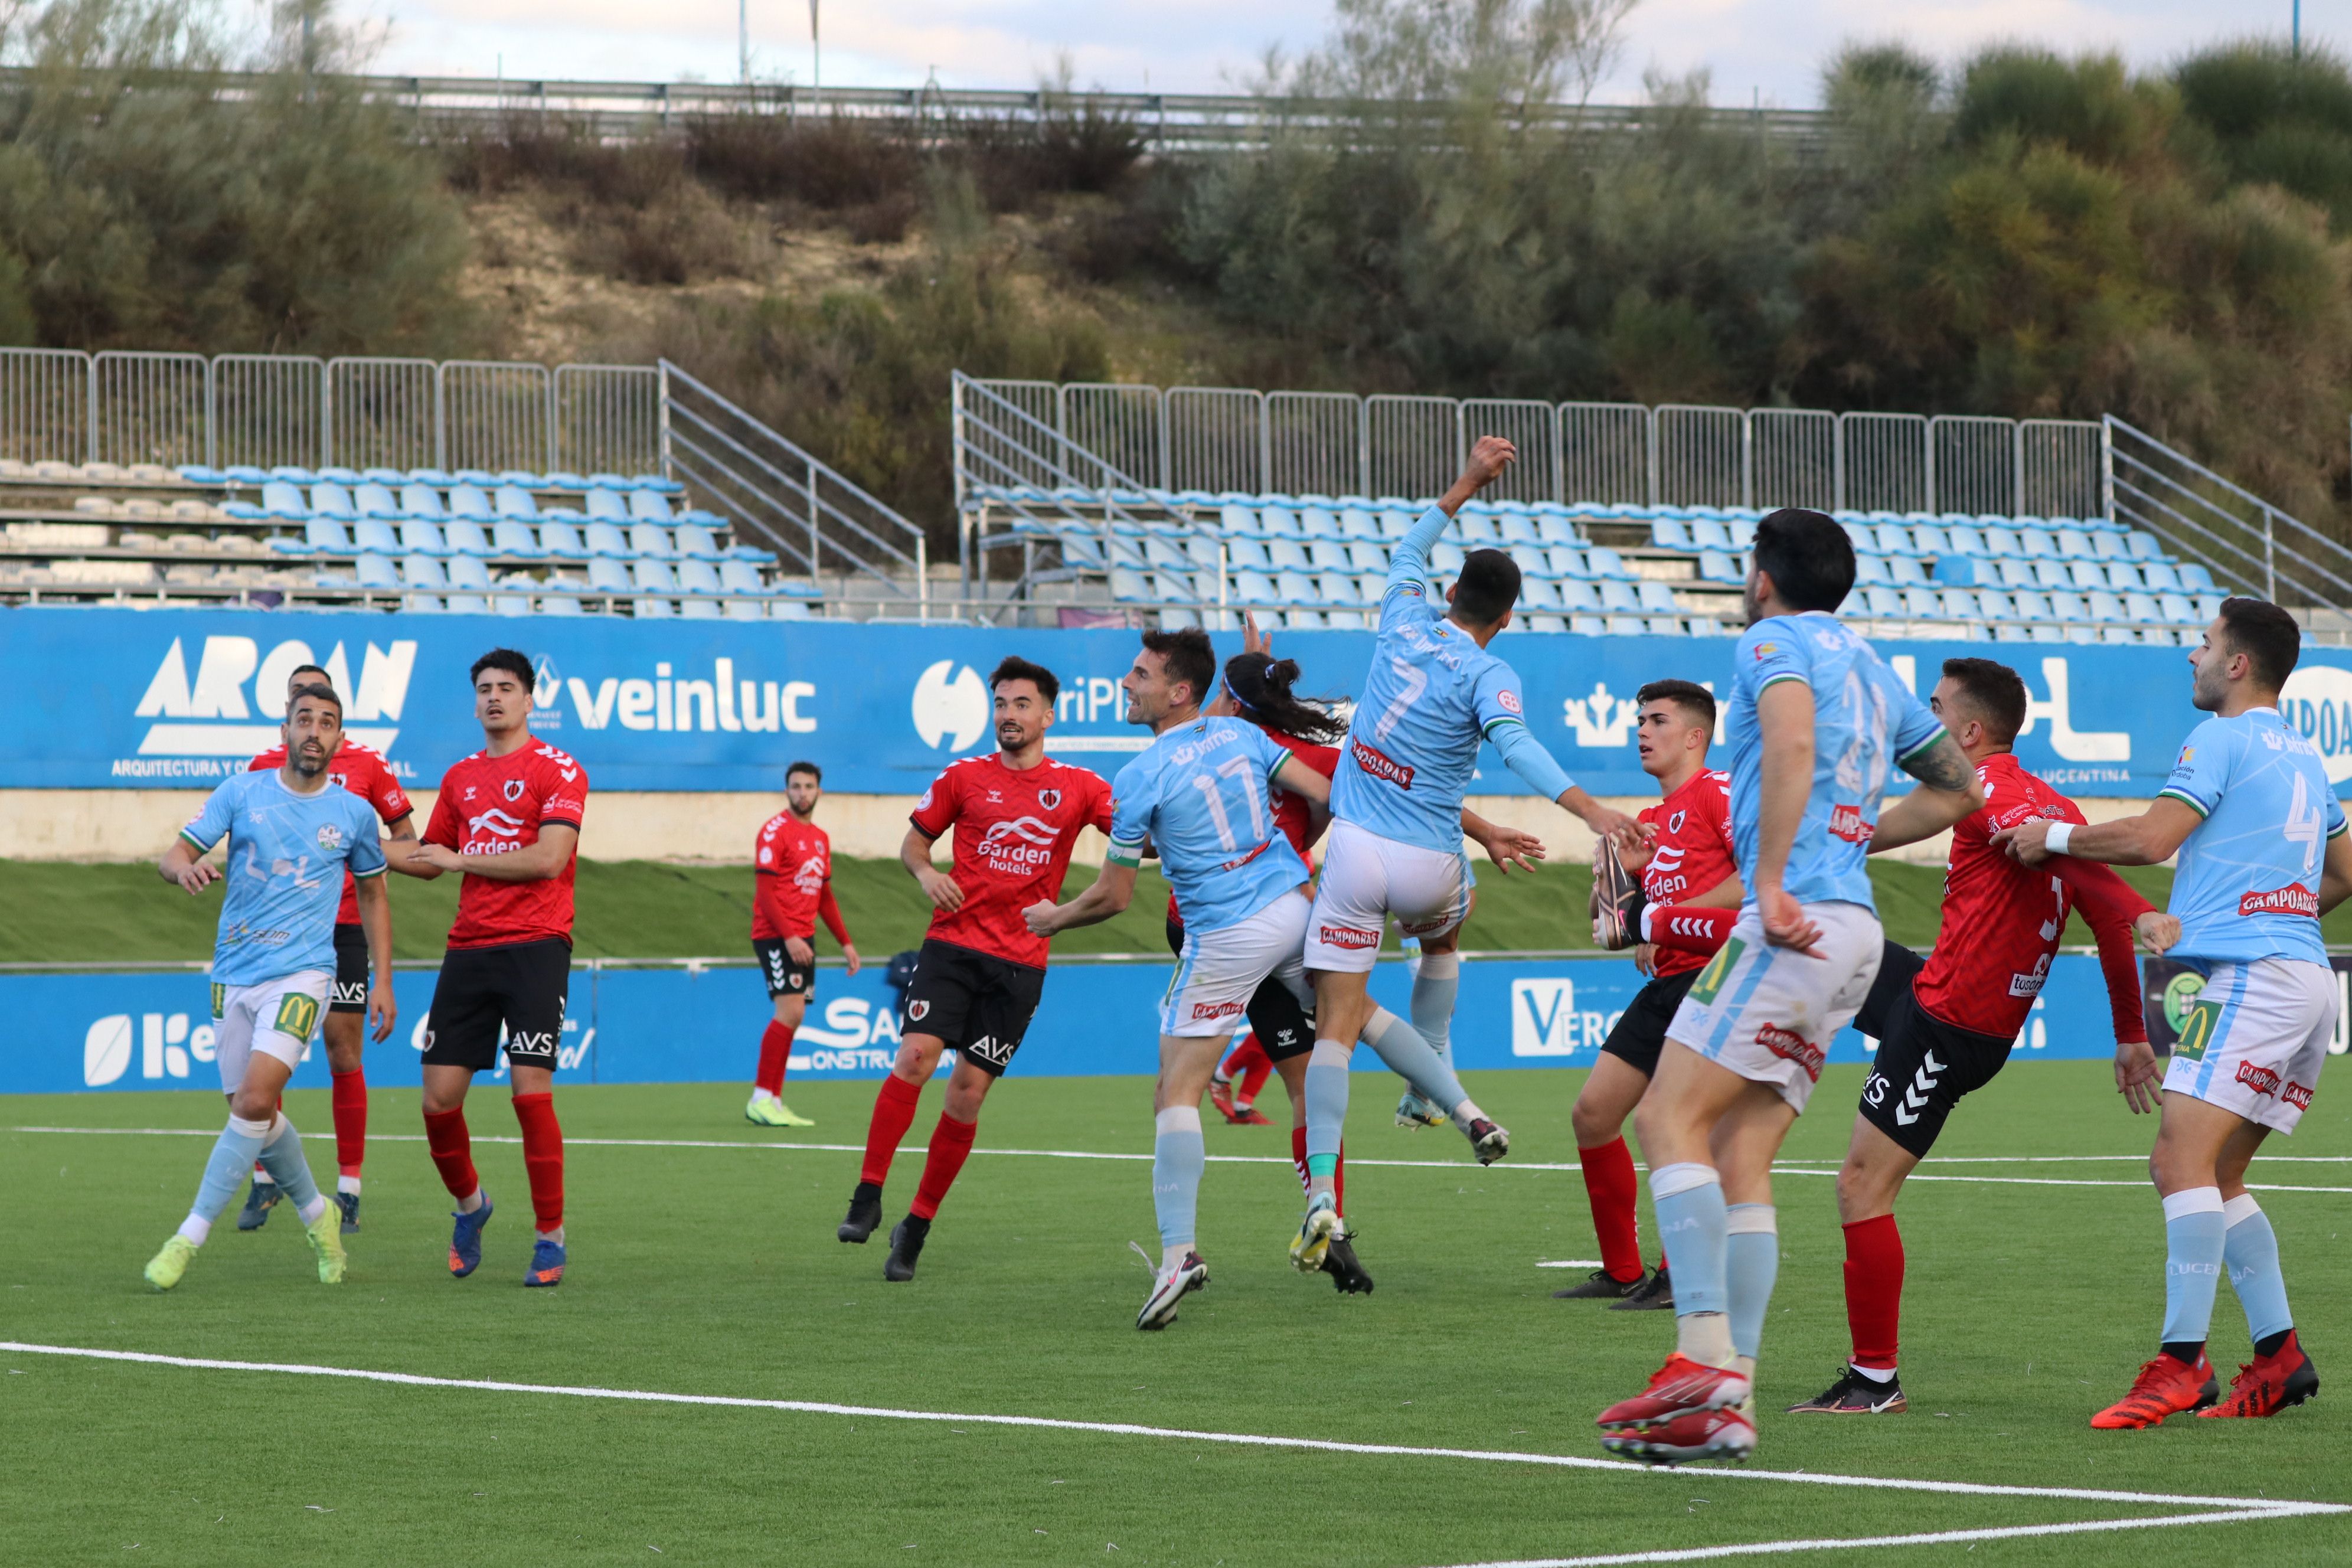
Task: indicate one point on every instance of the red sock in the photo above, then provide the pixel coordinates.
(894, 1112)
(1339, 1171)
(951, 1143)
(775, 1050)
(1874, 1290)
(1251, 1065)
(453, 1152)
(1612, 1187)
(543, 1157)
(350, 1102)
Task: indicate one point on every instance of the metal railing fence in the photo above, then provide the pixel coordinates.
(2248, 542)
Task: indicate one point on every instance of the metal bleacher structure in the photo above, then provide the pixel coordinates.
(1192, 504)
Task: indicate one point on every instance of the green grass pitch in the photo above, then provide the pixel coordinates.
(714, 1271)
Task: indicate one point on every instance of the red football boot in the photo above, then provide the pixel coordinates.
(1727, 1433)
(1221, 1095)
(2164, 1387)
(2269, 1383)
(1681, 1387)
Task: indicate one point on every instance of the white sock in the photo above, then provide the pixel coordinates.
(1875, 1373)
(1704, 1338)
(468, 1203)
(555, 1236)
(311, 1211)
(347, 1185)
(195, 1227)
(1465, 1113)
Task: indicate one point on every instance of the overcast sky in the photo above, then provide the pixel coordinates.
(1768, 48)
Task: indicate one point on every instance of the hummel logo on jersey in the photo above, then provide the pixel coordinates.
(2294, 899)
(1846, 822)
(2260, 1079)
(1380, 765)
(1918, 1096)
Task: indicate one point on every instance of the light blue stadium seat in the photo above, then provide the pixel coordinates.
(482, 476)
(2176, 610)
(1662, 625)
(423, 500)
(374, 571)
(1368, 555)
(1578, 598)
(1318, 522)
(2085, 575)
(1199, 552)
(509, 537)
(1128, 587)
(2208, 605)
(1163, 553)
(419, 536)
(1893, 540)
(699, 577)
(1618, 596)
(1175, 588)
(608, 506)
(604, 539)
(1237, 520)
(328, 500)
(2141, 610)
(649, 608)
(2107, 546)
(422, 603)
(1540, 621)
(648, 506)
(2069, 606)
(1371, 586)
(1294, 588)
(1966, 539)
(374, 534)
(326, 534)
(1286, 555)
(695, 541)
(790, 610)
(1587, 626)
(1710, 533)
(2143, 546)
(741, 577)
(1929, 539)
(1519, 529)
(1922, 603)
(2050, 573)
(1563, 562)
(1962, 571)
(2126, 635)
(1080, 547)
(1995, 606)
(1477, 530)
(474, 501)
(375, 501)
(1553, 528)
(1300, 620)
(557, 536)
(560, 604)
(470, 574)
(513, 501)
(1255, 587)
(1337, 588)
(607, 575)
(511, 605)
(1395, 523)
(1669, 534)
(1716, 566)
(1445, 557)
(1656, 598)
(465, 537)
(1327, 555)
(746, 610)
(1870, 571)
(2036, 544)
(1277, 522)
(1960, 605)
(1531, 561)
(1245, 555)
(2001, 542)
(439, 479)
(1604, 561)
(2014, 574)
(1905, 571)
(653, 576)
(1864, 538)
(2123, 576)
(2195, 579)
(1624, 626)
(1540, 594)
(2073, 544)
(422, 572)
(292, 473)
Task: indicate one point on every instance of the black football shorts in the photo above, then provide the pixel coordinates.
(351, 988)
(1640, 1030)
(521, 986)
(979, 1004)
(1924, 1066)
(785, 977)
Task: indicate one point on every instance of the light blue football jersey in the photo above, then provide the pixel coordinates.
(2247, 882)
(1199, 793)
(286, 856)
(1865, 721)
(1430, 697)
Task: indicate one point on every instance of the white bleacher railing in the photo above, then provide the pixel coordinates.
(273, 410)
(2242, 538)
(1335, 443)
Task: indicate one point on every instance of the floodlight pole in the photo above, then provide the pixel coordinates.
(743, 40)
(816, 56)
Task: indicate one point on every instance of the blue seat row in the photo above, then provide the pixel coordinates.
(1363, 591)
(1594, 562)
(511, 537)
(466, 573)
(284, 501)
(247, 474)
(509, 604)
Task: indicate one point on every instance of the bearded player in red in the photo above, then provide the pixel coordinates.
(1945, 1026)
(1685, 891)
(362, 771)
(793, 867)
(977, 979)
(508, 817)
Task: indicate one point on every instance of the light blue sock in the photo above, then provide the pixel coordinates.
(232, 1158)
(1433, 988)
(2192, 1264)
(2250, 1251)
(1411, 1059)
(1752, 1259)
(1327, 1106)
(1179, 1154)
(281, 1156)
(1692, 1224)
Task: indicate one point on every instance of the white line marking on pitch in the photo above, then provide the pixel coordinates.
(1568, 1263)
(1801, 1168)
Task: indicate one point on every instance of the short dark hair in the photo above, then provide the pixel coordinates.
(1191, 657)
(317, 669)
(809, 768)
(1488, 587)
(318, 688)
(1016, 667)
(1808, 557)
(1996, 692)
(2267, 636)
(1693, 698)
(515, 664)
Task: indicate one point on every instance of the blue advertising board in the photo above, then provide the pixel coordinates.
(701, 1023)
(126, 699)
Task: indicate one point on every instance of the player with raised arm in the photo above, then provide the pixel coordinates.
(1691, 863)
(363, 771)
(1945, 1026)
(1017, 815)
(292, 835)
(793, 880)
(2263, 853)
(508, 817)
(1815, 721)
(1198, 795)
(1432, 695)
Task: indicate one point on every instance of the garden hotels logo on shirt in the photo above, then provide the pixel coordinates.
(208, 719)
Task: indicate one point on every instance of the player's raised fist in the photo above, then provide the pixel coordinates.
(2157, 930)
(1489, 456)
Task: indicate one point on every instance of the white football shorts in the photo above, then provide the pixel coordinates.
(277, 1018)
(1221, 970)
(1366, 879)
(1768, 1014)
(2255, 1038)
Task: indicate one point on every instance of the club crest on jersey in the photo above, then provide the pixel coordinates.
(1509, 701)
(1675, 822)
(918, 1011)
(331, 837)
(513, 789)
(1049, 799)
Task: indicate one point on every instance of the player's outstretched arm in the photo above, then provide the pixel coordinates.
(915, 855)
(540, 861)
(1106, 896)
(1489, 456)
(1949, 792)
(2336, 873)
(399, 846)
(375, 921)
(1299, 778)
(184, 866)
(2149, 839)
(1505, 846)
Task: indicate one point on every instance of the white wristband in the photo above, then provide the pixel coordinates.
(1647, 910)
(2060, 832)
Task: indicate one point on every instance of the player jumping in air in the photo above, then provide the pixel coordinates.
(2263, 853)
(1945, 1026)
(793, 867)
(1433, 694)
(292, 835)
(362, 771)
(508, 817)
(1690, 864)
(1017, 813)
(1199, 794)
(1815, 721)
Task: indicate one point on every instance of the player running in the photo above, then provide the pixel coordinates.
(1945, 1026)
(1197, 793)
(1017, 813)
(1815, 719)
(508, 817)
(362, 771)
(1433, 694)
(2263, 855)
(292, 835)
(1691, 863)
(792, 871)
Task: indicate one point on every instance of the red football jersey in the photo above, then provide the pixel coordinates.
(1014, 834)
(361, 770)
(791, 866)
(495, 805)
(1294, 814)
(1693, 853)
(2003, 921)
